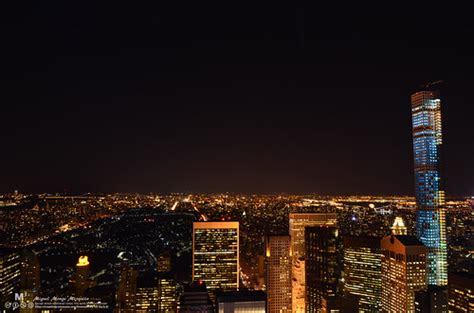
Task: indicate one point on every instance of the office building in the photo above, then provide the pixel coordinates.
(321, 266)
(216, 255)
(241, 302)
(430, 218)
(297, 224)
(166, 293)
(403, 272)
(362, 271)
(461, 292)
(278, 273)
(10, 272)
(147, 294)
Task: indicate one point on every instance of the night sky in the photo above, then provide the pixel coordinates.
(229, 97)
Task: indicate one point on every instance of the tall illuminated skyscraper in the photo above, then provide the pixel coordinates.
(216, 255)
(298, 223)
(278, 273)
(430, 218)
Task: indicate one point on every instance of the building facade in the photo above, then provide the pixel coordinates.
(461, 292)
(216, 255)
(403, 272)
(147, 299)
(167, 296)
(10, 271)
(278, 273)
(297, 224)
(362, 271)
(430, 219)
(322, 265)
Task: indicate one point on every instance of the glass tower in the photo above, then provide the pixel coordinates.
(322, 266)
(430, 218)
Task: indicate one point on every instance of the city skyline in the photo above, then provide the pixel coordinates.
(304, 158)
(291, 100)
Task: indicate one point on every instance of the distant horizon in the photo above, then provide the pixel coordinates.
(221, 193)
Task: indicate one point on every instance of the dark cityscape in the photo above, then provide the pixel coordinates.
(236, 158)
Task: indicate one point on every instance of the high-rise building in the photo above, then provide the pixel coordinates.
(10, 269)
(321, 265)
(147, 299)
(127, 290)
(297, 223)
(81, 281)
(278, 273)
(195, 298)
(398, 227)
(241, 302)
(147, 295)
(166, 293)
(362, 271)
(461, 292)
(216, 255)
(403, 272)
(430, 218)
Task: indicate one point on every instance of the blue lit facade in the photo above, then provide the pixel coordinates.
(430, 219)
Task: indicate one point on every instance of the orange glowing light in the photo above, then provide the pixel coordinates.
(83, 261)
